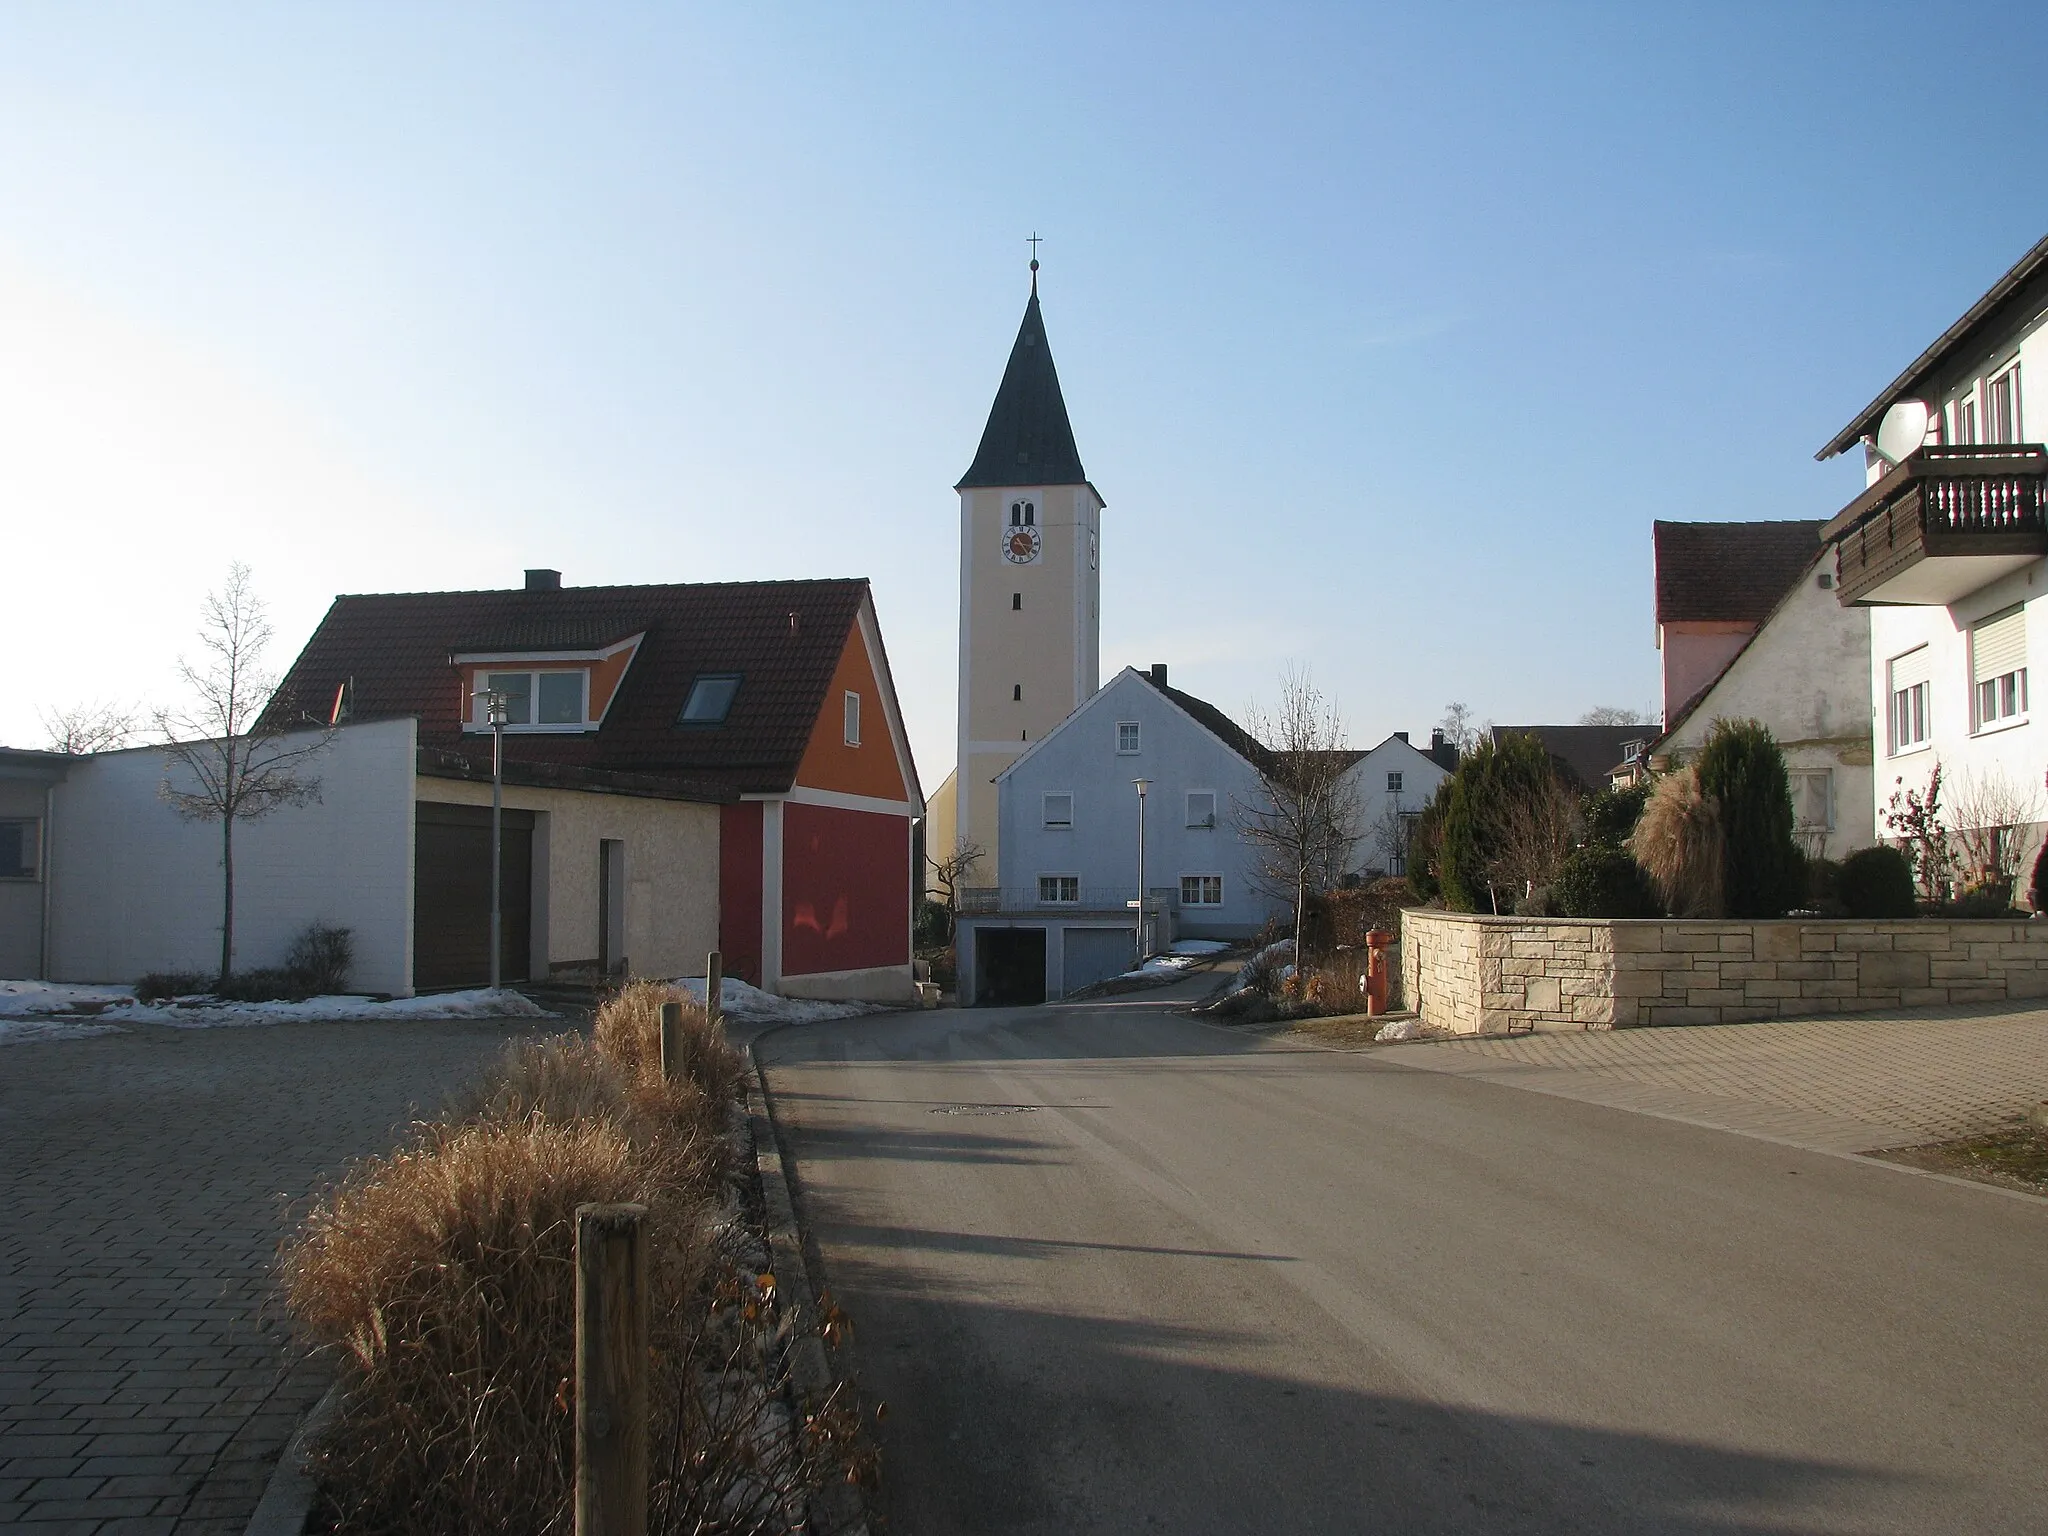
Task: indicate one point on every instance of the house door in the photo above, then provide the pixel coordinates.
(611, 906)
(451, 912)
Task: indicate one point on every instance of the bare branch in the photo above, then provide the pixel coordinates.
(86, 728)
(1616, 714)
(1299, 823)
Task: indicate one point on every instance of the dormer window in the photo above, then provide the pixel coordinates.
(710, 699)
(534, 701)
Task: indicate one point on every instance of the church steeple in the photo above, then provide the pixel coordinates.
(1028, 439)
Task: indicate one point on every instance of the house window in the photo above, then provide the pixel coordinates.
(1059, 810)
(20, 848)
(1966, 421)
(1126, 737)
(1393, 783)
(852, 718)
(535, 700)
(1059, 890)
(1201, 890)
(1909, 725)
(1998, 666)
(2002, 407)
(1201, 807)
(710, 699)
(1813, 800)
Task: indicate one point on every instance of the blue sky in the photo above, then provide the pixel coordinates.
(1385, 335)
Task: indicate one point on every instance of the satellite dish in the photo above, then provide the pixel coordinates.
(1903, 430)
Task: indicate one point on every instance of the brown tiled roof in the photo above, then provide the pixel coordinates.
(1733, 572)
(1216, 723)
(1590, 752)
(784, 638)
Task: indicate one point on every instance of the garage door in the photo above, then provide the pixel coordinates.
(1095, 954)
(451, 912)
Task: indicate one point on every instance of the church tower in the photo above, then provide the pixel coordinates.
(1030, 586)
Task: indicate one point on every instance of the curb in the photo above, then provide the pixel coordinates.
(839, 1510)
(288, 1496)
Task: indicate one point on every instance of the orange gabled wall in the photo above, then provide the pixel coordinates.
(829, 763)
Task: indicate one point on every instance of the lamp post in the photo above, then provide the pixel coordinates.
(494, 711)
(1144, 912)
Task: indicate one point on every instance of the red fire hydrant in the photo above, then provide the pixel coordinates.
(1377, 968)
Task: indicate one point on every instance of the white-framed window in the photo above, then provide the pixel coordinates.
(1393, 783)
(555, 700)
(852, 718)
(1201, 807)
(1059, 890)
(1813, 799)
(1907, 710)
(1998, 668)
(21, 847)
(1201, 890)
(1963, 415)
(2002, 422)
(1126, 737)
(1059, 808)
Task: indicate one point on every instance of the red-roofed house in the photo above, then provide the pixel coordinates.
(687, 767)
(1716, 582)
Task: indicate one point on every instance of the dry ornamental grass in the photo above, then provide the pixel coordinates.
(442, 1280)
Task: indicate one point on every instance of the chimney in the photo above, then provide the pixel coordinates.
(1159, 673)
(1400, 735)
(543, 581)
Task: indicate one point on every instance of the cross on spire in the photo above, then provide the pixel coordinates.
(1032, 241)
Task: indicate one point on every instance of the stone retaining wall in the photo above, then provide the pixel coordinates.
(1502, 975)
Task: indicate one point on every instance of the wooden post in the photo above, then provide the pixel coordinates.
(714, 986)
(611, 1370)
(673, 1066)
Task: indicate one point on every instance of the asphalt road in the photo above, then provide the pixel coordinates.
(1116, 1270)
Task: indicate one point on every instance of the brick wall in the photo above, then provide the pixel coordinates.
(1496, 975)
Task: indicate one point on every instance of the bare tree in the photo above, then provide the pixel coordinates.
(1388, 836)
(1616, 714)
(953, 871)
(1989, 815)
(223, 761)
(1299, 823)
(1459, 728)
(1532, 834)
(86, 728)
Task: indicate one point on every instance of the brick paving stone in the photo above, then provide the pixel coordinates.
(1839, 1083)
(146, 1380)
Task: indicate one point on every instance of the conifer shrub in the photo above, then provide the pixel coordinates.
(1496, 787)
(2037, 888)
(1877, 882)
(1425, 846)
(1600, 880)
(1742, 769)
(1611, 814)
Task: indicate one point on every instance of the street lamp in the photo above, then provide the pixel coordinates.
(1144, 915)
(495, 712)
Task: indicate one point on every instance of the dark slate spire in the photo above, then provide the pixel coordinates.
(1028, 440)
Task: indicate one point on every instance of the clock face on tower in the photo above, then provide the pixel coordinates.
(1020, 546)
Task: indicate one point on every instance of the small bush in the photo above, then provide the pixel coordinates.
(1742, 770)
(162, 986)
(1602, 881)
(1538, 901)
(1992, 899)
(1677, 842)
(1877, 882)
(628, 1031)
(1824, 887)
(320, 959)
(933, 928)
(267, 984)
(2037, 888)
(1611, 814)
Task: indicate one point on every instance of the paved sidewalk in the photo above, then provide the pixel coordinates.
(1837, 1084)
(145, 1382)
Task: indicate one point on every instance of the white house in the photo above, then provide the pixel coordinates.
(1804, 671)
(1391, 784)
(1945, 547)
(1067, 825)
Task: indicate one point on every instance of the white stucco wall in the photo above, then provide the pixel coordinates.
(1101, 848)
(2015, 751)
(1420, 777)
(1806, 675)
(671, 852)
(136, 888)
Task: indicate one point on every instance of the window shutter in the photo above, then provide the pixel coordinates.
(1915, 666)
(1998, 645)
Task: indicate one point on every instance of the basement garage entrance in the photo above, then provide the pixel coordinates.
(1009, 967)
(451, 896)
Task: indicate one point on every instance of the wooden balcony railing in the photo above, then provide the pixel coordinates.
(1942, 524)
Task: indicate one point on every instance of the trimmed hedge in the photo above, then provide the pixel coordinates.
(1877, 882)
(1601, 881)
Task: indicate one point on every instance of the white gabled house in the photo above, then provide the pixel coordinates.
(1067, 828)
(1390, 785)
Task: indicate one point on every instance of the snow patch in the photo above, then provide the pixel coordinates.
(204, 1013)
(1400, 1029)
(29, 999)
(750, 1005)
(1182, 955)
(33, 1031)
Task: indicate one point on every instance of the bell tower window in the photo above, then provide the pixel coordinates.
(1023, 514)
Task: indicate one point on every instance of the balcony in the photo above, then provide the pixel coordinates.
(1093, 901)
(1941, 525)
